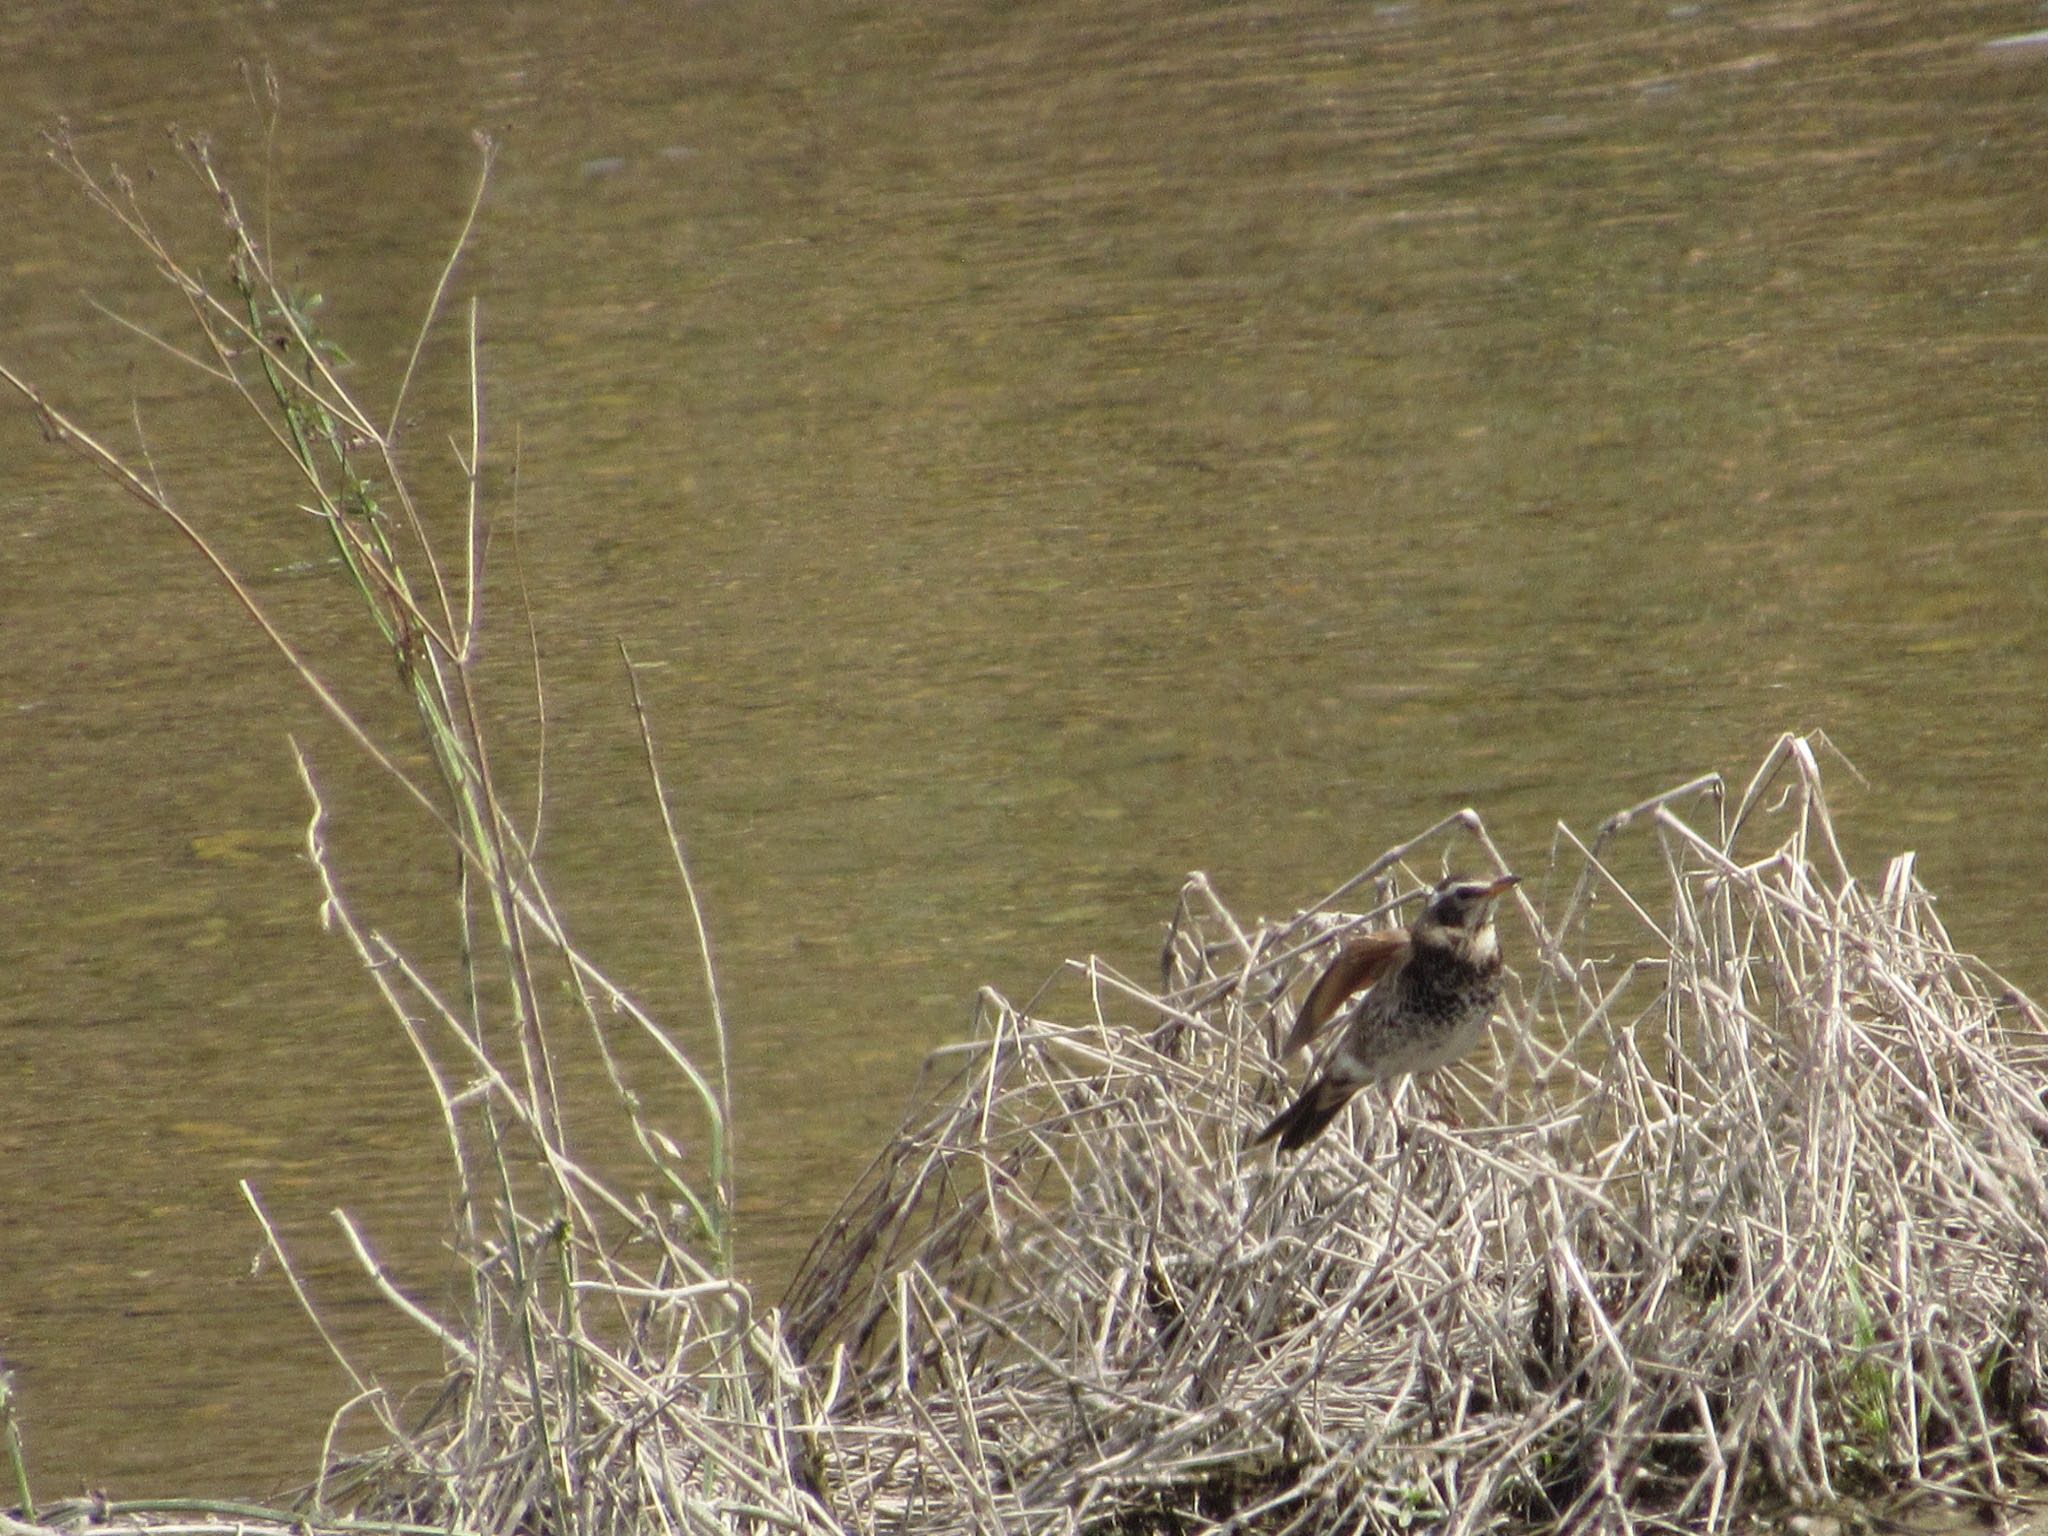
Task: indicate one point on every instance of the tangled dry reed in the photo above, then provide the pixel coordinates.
(1749, 1201)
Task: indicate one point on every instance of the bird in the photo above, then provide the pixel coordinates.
(1428, 994)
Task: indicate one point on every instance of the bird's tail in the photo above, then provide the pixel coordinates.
(1303, 1121)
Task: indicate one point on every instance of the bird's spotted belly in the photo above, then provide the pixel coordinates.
(1419, 1037)
(1424, 1050)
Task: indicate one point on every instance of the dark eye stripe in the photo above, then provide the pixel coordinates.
(1454, 900)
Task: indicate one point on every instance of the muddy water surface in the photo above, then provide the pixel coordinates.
(1038, 451)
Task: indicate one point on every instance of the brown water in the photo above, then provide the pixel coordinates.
(1042, 450)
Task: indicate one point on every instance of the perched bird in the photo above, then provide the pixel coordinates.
(1432, 991)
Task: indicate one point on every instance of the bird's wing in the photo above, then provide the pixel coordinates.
(1363, 960)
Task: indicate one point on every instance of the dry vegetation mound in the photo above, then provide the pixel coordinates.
(1747, 1199)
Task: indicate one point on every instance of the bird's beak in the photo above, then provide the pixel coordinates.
(1502, 886)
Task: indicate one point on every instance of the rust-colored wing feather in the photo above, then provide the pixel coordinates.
(1363, 960)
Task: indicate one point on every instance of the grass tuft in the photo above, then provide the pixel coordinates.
(606, 1366)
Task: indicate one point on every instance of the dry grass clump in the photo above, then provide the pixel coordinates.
(1749, 1201)
(607, 1372)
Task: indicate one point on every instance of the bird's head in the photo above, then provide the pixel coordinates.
(1459, 916)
